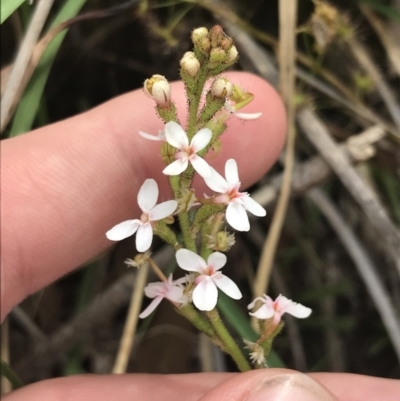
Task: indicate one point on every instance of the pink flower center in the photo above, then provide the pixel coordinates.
(185, 153)
(145, 218)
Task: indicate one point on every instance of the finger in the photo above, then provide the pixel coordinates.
(66, 184)
(204, 387)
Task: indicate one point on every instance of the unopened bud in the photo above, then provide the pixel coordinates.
(159, 89)
(190, 64)
(216, 35)
(198, 35)
(232, 55)
(226, 43)
(221, 88)
(217, 57)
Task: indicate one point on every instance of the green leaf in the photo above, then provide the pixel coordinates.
(8, 7)
(241, 324)
(29, 104)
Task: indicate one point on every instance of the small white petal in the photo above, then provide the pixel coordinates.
(153, 290)
(144, 237)
(231, 172)
(264, 312)
(151, 137)
(176, 167)
(228, 286)
(176, 135)
(248, 116)
(201, 139)
(217, 260)
(153, 305)
(205, 295)
(148, 195)
(253, 207)
(236, 216)
(123, 230)
(262, 299)
(163, 210)
(295, 309)
(190, 261)
(216, 182)
(174, 294)
(201, 166)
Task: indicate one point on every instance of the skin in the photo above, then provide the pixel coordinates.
(65, 185)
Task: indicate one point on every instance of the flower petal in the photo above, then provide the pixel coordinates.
(174, 293)
(264, 312)
(295, 309)
(123, 230)
(148, 195)
(163, 210)
(201, 139)
(144, 237)
(216, 182)
(153, 305)
(201, 166)
(263, 299)
(156, 289)
(151, 137)
(190, 261)
(236, 216)
(176, 135)
(248, 116)
(228, 286)
(205, 295)
(217, 260)
(176, 167)
(253, 207)
(231, 172)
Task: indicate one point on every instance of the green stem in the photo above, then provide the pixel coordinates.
(189, 241)
(229, 343)
(7, 372)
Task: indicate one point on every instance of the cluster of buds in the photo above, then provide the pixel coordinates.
(203, 239)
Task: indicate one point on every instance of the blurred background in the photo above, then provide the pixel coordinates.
(338, 251)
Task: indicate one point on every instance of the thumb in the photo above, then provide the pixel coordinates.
(269, 385)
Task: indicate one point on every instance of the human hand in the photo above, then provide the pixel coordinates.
(65, 185)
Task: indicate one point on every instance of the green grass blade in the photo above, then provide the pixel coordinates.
(241, 324)
(8, 7)
(30, 101)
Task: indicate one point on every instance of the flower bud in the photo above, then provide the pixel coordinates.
(221, 88)
(159, 89)
(217, 57)
(198, 35)
(190, 64)
(226, 43)
(232, 55)
(216, 35)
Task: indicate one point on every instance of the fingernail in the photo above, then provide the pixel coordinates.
(290, 387)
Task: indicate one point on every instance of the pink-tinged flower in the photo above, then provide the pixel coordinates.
(205, 294)
(275, 309)
(177, 137)
(147, 199)
(238, 202)
(170, 289)
(159, 137)
(242, 116)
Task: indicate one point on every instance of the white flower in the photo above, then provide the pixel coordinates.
(205, 294)
(170, 289)
(242, 116)
(147, 199)
(275, 309)
(177, 137)
(159, 137)
(238, 202)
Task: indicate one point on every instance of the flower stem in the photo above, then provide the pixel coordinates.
(229, 343)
